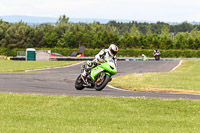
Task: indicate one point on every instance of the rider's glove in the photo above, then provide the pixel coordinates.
(101, 60)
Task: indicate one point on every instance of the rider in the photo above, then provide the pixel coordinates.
(156, 51)
(144, 57)
(100, 57)
(104, 53)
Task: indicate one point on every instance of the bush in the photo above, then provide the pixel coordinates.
(187, 53)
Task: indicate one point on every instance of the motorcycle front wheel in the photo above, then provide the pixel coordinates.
(157, 57)
(101, 81)
(79, 83)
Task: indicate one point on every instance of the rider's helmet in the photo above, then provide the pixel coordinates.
(143, 55)
(113, 49)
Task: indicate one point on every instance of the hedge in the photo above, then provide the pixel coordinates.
(187, 53)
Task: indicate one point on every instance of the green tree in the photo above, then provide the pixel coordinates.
(134, 32)
(3, 28)
(67, 40)
(62, 19)
(166, 40)
(181, 40)
(126, 41)
(17, 35)
(51, 39)
(39, 36)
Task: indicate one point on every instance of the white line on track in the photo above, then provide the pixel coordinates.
(52, 68)
(116, 88)
(177, 66)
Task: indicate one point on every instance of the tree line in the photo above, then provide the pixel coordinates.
(64, 34)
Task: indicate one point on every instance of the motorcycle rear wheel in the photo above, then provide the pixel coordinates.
(101, 82)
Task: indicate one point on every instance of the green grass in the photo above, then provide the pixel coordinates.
(60, 114)
(185, 79)
(29, 65)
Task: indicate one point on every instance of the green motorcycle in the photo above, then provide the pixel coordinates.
(97, 77)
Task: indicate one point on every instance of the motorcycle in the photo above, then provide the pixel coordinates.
(157, 56)
(97, 77)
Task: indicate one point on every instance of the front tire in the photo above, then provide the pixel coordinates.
(79, 83)
(100, 85)
(157, 57)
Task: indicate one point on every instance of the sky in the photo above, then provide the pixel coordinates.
(148, 10)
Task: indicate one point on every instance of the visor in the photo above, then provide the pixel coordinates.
(113, 52)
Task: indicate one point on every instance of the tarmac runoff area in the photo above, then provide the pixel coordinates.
(60, 81)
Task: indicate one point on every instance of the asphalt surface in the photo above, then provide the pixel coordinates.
(61, 81)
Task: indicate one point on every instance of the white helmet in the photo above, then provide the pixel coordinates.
(113, 49)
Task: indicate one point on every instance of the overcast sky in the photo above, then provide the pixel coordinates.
(148, 10)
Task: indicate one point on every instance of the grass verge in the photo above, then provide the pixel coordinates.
(185, 79)
(61, 114)
(29, 65)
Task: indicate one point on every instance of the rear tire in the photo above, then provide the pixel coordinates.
(105, 81)
(157, 57)
(79, 83)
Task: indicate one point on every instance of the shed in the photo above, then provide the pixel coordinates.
(30, 54)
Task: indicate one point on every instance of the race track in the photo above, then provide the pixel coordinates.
(60, 81)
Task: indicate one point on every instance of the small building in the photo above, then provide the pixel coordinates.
(42, 55)
(30, 54)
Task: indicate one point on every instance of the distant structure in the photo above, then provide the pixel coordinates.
(42, 55)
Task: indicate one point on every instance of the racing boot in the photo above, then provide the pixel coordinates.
(83, 70)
